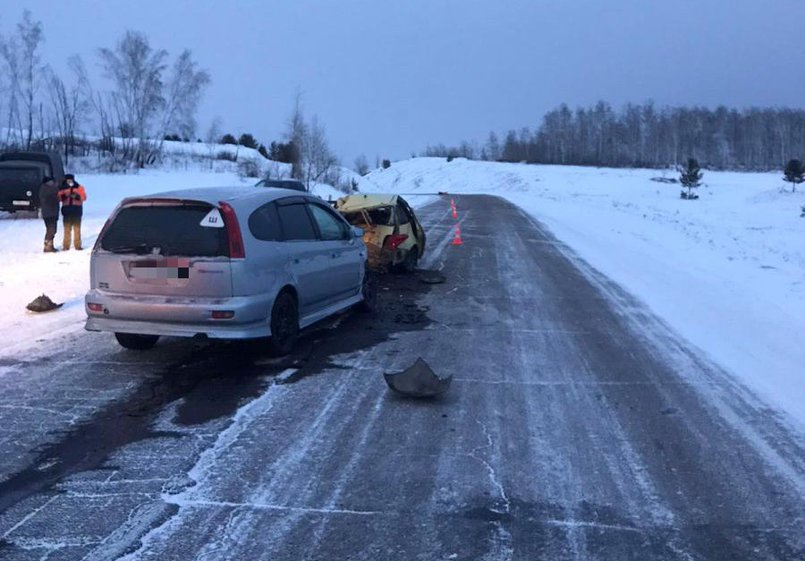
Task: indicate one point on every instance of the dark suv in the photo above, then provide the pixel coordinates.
(292, 184)
(21, 175)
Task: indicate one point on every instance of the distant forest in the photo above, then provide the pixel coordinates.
(643, 136)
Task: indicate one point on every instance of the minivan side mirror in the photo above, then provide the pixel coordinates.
(357, 232)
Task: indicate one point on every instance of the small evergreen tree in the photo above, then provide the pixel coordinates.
(386, 164)
(228, 139)
(247, 140)
(263, 151)
(794, 173)
(690, 178)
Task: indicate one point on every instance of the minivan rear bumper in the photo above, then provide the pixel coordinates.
(179, 317)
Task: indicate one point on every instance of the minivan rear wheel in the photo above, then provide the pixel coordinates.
(136, 342)
(284, 324)
(369, 292)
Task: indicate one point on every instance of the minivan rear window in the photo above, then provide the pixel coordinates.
(171, 230)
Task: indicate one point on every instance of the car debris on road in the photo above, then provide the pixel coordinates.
(42, 303)
(419, 380)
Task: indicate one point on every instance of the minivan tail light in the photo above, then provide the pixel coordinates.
(393, 241)
(236, 249)
(95, 307)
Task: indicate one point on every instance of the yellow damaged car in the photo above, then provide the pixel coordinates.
(393, 236)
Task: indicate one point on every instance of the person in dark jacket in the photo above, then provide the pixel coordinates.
(49, 206)
(72, 196)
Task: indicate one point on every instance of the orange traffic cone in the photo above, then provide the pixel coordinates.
(457, 237)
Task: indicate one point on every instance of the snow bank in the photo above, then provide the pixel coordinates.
(727, 271)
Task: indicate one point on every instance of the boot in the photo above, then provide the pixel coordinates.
(49, 247)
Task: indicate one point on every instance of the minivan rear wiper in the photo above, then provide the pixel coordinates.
(139, 249)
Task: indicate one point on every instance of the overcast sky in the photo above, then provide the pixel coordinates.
(389, 77)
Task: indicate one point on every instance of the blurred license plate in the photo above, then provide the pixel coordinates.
(21, 203)
(167, 269)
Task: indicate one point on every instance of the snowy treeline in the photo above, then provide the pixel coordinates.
(145, 96)
(643, 136)
(138, 114)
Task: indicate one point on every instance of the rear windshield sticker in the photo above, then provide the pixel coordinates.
(213, 219)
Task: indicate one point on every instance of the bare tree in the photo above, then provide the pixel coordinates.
(30, 36)
(185, 87)
(492, 147)
(135, 69)
(9, 52)
(361, 165)
(71, 104)
(212, 137)
(317, 158)
(297, 134)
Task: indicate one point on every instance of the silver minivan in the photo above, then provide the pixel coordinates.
(223, 263)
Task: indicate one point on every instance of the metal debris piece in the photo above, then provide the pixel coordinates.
(418, 381)
(43, 304)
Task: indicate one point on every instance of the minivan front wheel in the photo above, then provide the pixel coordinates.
(284, 324)
(136, 342)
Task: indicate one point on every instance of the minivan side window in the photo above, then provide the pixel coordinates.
(264, 223)
(295, 221)
(330, 226)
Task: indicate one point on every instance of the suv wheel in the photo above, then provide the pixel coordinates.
(284, 324)
(136, 342)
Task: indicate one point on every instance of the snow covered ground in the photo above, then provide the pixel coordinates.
(27, 272)
(727, 272)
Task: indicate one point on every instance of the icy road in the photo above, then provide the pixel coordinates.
(578, 426)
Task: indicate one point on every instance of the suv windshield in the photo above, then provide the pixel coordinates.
(170, 230)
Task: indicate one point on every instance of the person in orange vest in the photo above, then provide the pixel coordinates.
(72, 196)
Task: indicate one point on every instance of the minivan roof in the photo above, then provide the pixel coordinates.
(214, 195)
